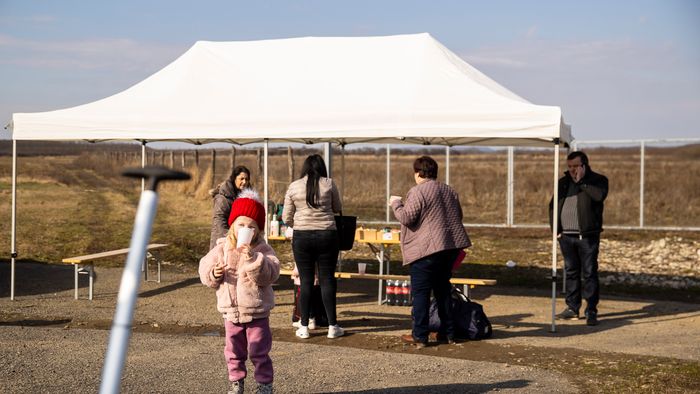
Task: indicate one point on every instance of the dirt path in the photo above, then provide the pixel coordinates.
(635, 338)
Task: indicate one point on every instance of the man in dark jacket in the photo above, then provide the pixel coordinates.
(580, 222)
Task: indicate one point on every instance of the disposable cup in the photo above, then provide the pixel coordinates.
(245, 235)
(361, 268)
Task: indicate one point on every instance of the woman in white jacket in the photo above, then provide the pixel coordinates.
(309, 207)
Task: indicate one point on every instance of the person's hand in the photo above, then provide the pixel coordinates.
(394, 198)
(246, 251)
(219, 270)
(580, 172)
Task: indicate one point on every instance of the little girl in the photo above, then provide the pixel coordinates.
(243, 278)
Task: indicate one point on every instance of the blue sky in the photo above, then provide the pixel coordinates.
(618, 69)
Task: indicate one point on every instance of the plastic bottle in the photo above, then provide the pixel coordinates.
(410, 299)
(393, 293)
(405, 293)
(274, 226)
(389, 290)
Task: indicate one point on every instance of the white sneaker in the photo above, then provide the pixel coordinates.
(312, 324)
(335, 331)
(303, 332)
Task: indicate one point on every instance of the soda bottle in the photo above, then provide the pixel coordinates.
(410, 299)
(389, 292)
(405, 293)
(394, 292)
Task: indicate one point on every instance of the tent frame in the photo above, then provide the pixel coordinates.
(327, 156)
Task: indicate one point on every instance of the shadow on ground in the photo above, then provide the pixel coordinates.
(448, 388)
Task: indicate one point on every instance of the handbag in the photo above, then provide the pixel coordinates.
(470, 320)
(346, 226)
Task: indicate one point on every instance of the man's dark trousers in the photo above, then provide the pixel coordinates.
(581, 265)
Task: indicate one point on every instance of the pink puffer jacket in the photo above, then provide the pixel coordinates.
(244, 292)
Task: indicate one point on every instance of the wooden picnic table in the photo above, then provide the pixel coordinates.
(85, 264)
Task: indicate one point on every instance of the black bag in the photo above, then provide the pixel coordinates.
(318, 311)
(469, 318)
(346, 226)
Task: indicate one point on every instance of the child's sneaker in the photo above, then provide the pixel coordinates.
(335, 331)
(264, 388)
(236, 387)
(303, 332)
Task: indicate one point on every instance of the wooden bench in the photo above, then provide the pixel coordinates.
(465, 282)
(85, 264)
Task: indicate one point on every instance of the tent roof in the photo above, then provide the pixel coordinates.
(405, 88)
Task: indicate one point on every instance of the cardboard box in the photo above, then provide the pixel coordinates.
(366, 234)
(388, 236)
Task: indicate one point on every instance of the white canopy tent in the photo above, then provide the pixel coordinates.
(393, 89)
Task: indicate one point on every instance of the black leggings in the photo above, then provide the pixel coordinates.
(312, 248)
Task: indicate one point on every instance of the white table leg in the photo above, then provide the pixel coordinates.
(381, 272)
(91, 275)
(76, 280)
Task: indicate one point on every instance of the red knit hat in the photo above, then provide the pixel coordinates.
(248, 204)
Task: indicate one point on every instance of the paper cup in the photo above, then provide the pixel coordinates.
(245, 235)
(361, 268)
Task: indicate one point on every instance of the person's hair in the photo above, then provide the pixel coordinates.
(234, 174)
(314, 168)
(426, 167)
(578, 153)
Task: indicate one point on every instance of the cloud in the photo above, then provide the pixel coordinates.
(110, 53)
(531, 32)
(611, 55)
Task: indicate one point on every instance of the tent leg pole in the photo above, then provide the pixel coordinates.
(555, 226)
(447, 165)
(143, 164)
(509, 189)
(13, 243)
(265, 191)
(327, 157)
(388, 181)
(641, 184)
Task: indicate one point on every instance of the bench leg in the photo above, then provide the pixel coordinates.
(465, 290)
(144, 267)
(151, 255)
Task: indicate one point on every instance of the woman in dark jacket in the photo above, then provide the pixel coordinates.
(223, 196)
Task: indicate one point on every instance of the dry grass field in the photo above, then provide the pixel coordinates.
(73, 201)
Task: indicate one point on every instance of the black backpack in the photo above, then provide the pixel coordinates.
(469, 318)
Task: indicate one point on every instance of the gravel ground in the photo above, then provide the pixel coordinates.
(186, 364)
(50, 342)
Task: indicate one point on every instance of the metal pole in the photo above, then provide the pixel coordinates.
(143, 164)
(130, 283)
(509, 194)
(388, 180)
(328, 156)
(641, 184)
(265, 153)
(128, 291)
(447, 165)
(555, 226)
(13, 245)
(342, 172)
